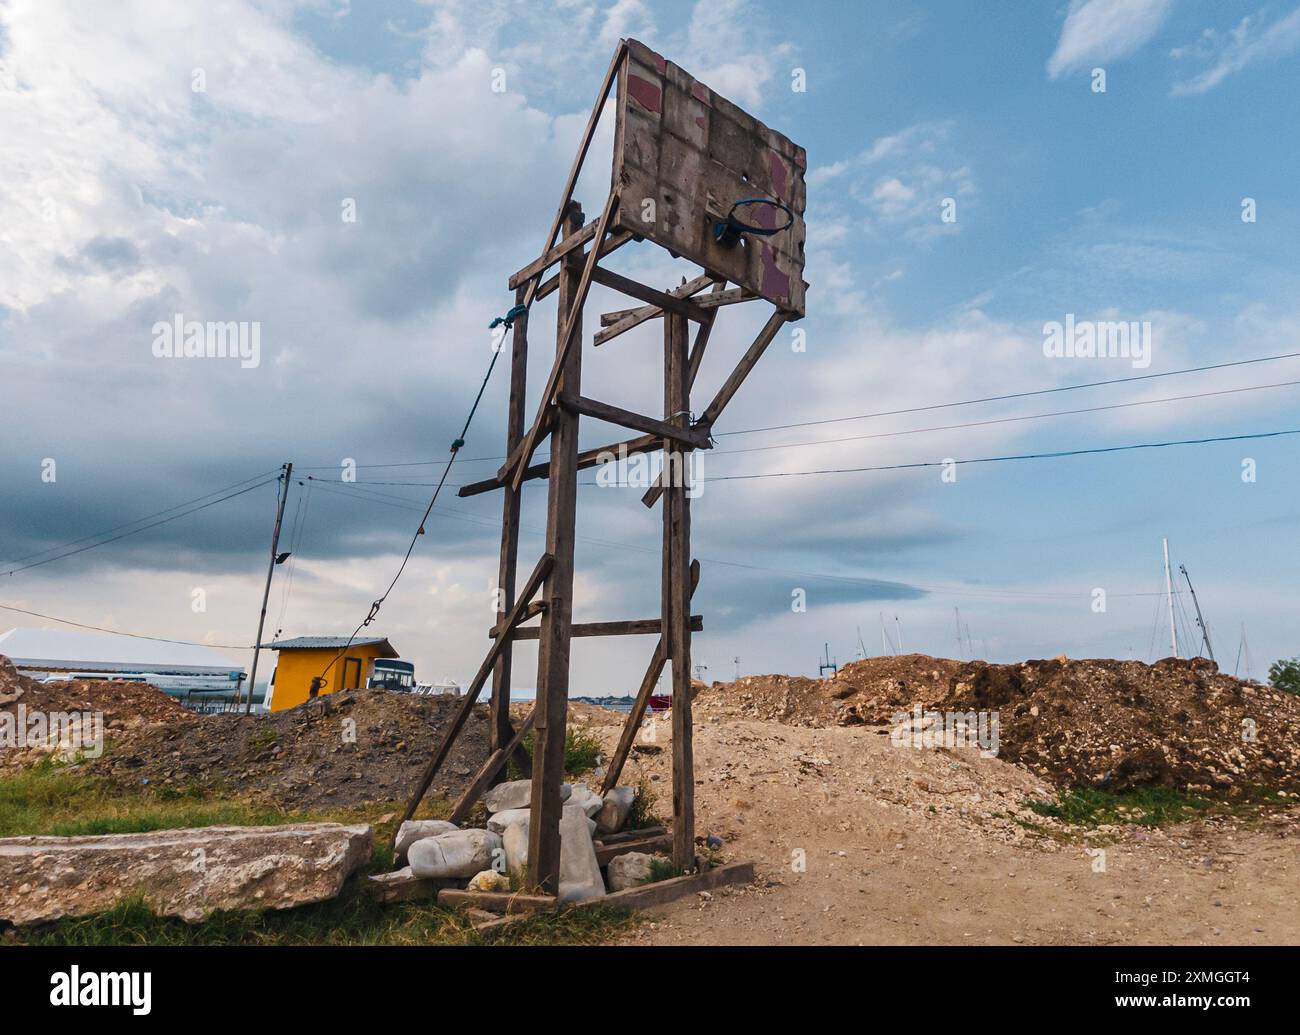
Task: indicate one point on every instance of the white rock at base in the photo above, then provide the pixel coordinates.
(584, 797)
(461, 853)
(614, 810)
(580, 878)
(515, 794)
(488, 880)
(515, 841)
(631, 870)
(417, 830)
(515, 838)
(499, 821)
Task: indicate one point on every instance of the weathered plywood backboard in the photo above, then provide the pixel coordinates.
(694, 154)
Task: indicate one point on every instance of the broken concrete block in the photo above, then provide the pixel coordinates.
(584, 797)
(515, 837)
(488, 880)
(461, 853)
(580, 878)
(417, 830)
(631, 869)
(182, 873)
(614, 809)
(498, 822)
(515, 794)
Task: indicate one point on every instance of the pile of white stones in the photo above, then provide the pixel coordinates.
(437, 850)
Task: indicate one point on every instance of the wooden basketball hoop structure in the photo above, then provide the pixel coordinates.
(696, 175)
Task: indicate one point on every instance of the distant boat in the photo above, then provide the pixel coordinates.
(660, 702)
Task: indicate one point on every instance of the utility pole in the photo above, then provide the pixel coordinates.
(899, 626)
(956, 614)
(1169, 594)
(1200, 620)
(286, 473)
(736, 674)
(862, 647)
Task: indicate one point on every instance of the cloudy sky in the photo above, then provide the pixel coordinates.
(1105, 160)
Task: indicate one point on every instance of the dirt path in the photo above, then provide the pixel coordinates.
(860, 842)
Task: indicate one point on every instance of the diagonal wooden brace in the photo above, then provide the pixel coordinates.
(525, 598)
(562, 346)
(634, 718)
(496, 761)
(729, 388)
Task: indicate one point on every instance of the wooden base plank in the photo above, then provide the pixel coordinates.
(662, 843)
(664, 891)
(498, 901)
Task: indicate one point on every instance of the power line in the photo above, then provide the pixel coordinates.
(390, 500)
(135, 531)
(118, 632)
(1006, 420)
(1001, 459)
(1014, 395)
(913, 409)
(146, 517)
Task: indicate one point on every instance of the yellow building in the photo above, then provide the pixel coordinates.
(303, 658)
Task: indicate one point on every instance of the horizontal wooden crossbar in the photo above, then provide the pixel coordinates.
(662, 299)
(635, 421)
(555, 254)
(624, 320)
(612, 244)
(635, 627)
(586, 459)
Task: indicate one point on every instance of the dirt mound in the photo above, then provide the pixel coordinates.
(873, 686)
(124, 706)
(343, 749)
(1097, 723)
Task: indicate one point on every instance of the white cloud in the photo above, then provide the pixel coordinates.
(1247, 44)
(1105, 30)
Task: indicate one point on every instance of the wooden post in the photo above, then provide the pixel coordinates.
(553, 640)
(501, 730)
(676, 604)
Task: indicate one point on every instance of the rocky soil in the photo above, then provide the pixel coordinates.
(1098, 723)
(343, 749)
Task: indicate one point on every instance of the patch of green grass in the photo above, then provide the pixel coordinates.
(57, 799)
(642, 813)
(1146, 807)
(353, 918)
(663, 869)
(582, 753)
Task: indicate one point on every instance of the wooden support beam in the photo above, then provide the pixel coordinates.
(697, 351)
(612, 244)
(487, 775)
(536, 608)
(526, 595)
(636, 627)
(539, 266)
(642, 701)
(645, 896)
(677, 589)
(729, 388)
(572, 310)
(630, 318)
(649, 845)
(635, 421)
(551, 709)
(561, 213)
(499, 726)
(586, 459)
(663, 299)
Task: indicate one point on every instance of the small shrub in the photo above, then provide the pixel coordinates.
(1284, 675)
(642, 812)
